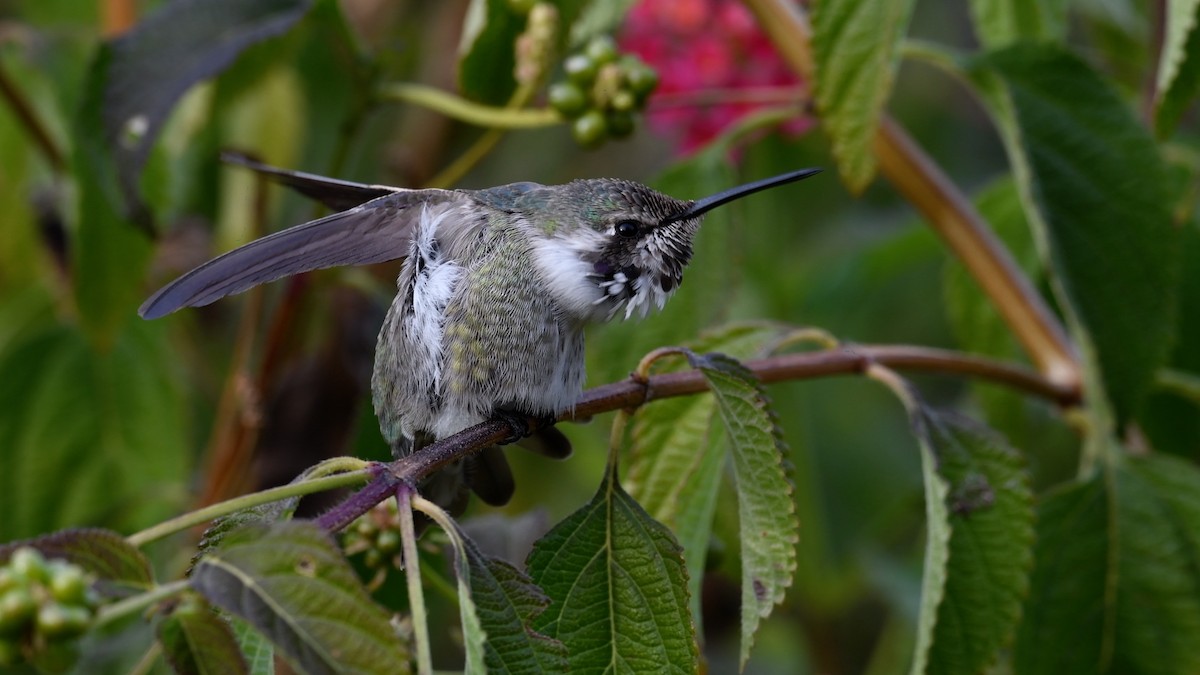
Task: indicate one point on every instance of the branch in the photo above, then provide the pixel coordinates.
(28, 118)
(948, 211)
(631, 393)
(470, 112)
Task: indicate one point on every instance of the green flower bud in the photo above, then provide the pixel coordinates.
(601, 50)
(69, 584)
(590, 129)
(580, 69)
(568, 99)
(28, 562)
(17, 607)
(624, 101)
(620, 123)
(388, 541)
(56, 620)
(641, 78)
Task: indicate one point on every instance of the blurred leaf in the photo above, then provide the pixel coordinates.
(101, 552)
(617, 587)
(999, 23)
(256, 649)
(1178, 78)
(855, 45)
(675, 465)
(290, 582)
(147, 69)
(195, 641)
(979, 548)
(1114, 586)
(88, 436)
(768, 528)
(598, 18)
(499, 602)
(1108, 229)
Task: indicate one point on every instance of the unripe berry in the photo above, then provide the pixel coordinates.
(590, 129)
(568, 99)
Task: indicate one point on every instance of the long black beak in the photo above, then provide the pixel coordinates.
(702, 206)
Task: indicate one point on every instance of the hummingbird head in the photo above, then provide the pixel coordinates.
(610, 245)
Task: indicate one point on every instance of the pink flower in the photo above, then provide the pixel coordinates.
(714, 65)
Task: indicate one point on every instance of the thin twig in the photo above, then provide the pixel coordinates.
(634, 392)
(29, 119)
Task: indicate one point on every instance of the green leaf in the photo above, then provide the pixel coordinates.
(89, 436)
(617, 587)
(979, 549)
(291, 583)
(101, 552)
(676, 464)
(1106, 228)
(999, 23)
(499, 603)
(1178, 78)
(1114, 586)
(148, 68)
(856, 46)
(256, 649)
(196, 641)
(768, 527)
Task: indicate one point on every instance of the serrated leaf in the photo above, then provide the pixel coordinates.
(1178, 78)
(148, 68)
(1105, 228)
(101, 552)
(195, 641)
(291, 583)
(675, 465)
(256, 649)
(89, 435)
(978, 552)
(1114, 587)
(617, 587)
(999, 23)
(856, 46)
(768, 528)
(499, 603)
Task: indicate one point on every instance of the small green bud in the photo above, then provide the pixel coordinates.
(28, 562)
(641, 78)
(624, 101)
(568, 99)
(17, 606)
(388, 541)
(372, 558)
(56, 620)
(601, 50)
(620, 123)
(69, 584)
(580, 69)
(590, 129)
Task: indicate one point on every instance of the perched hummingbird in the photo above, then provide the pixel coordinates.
(492, 298)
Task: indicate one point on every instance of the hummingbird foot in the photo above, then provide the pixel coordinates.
(521, 424)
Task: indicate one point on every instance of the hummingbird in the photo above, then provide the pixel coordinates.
(492, 298)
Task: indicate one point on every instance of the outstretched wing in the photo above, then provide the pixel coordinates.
(376, 231)
(337, 194)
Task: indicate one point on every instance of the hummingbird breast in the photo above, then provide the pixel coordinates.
(472, 330)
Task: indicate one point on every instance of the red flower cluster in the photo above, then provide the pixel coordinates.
(712, 58)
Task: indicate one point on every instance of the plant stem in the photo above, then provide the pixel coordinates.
(200, 516)
(412, 573)
(136, 603)
(470, 112)
(948, 211)
(33, 126)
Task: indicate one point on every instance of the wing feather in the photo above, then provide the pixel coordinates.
(376, 231)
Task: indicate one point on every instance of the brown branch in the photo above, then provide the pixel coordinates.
(29, 119)
(634, 392)
(948, 211)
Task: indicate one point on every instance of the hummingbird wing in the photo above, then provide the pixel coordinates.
(338, 195)
(377, 231)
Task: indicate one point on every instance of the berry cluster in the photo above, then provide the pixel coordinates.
(376, 535)
(43, 605)
(602, 91)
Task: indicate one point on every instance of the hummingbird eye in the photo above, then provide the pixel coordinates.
(627, 229)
